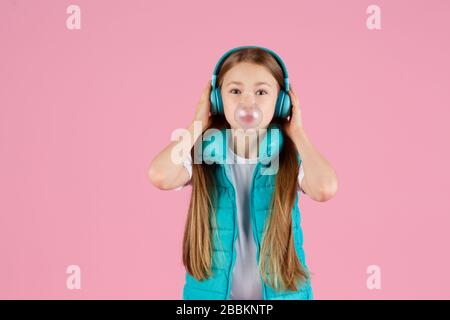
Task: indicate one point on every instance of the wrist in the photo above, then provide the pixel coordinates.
(298, 133)
(196, 129)
(199, 123)
(300, 138)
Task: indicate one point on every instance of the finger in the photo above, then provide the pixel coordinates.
(206, 90)
(208, 87)
(291, 93)
(294, 93)
(293, 97)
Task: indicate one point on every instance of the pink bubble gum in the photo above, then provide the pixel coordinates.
(248, 116)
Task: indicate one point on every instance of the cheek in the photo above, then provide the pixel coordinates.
(268, 107)
(229, 108)
(228, 104)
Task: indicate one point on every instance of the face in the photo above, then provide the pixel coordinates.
(249, 85)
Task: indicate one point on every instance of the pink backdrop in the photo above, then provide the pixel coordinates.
(83, 112)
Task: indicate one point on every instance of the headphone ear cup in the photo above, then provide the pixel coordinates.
(285, 105)
(213, 101)
(278, 105)
(219, 102)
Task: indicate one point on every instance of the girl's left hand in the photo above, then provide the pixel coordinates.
(295, 121)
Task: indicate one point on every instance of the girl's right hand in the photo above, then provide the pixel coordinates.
(202, 112)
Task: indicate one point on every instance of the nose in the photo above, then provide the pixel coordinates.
(247, 99)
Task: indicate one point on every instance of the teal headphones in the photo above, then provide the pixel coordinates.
(283, 104)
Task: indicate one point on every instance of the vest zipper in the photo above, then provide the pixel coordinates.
(233, 258)
(255, 237)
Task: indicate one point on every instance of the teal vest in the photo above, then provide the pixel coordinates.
(218, 286)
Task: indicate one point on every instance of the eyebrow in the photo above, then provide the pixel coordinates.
(256, 83)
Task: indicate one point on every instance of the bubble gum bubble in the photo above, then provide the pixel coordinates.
(248, 116)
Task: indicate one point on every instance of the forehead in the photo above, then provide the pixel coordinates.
(249, 73)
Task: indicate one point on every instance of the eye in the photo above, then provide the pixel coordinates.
(231, 91)
(265, 92)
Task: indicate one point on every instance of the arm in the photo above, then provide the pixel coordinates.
(163, 172)
(320, 181)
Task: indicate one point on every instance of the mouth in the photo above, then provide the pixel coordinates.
(248, 118)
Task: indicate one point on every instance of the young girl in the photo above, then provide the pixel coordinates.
(243, 238)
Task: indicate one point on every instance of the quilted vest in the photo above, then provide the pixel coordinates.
(224, 229)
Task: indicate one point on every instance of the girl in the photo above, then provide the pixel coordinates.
(243, 238)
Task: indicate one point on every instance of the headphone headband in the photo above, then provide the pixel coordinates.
(276, 56)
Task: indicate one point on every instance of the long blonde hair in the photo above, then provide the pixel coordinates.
(278, 257)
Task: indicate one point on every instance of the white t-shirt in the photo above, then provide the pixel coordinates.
(246, 281)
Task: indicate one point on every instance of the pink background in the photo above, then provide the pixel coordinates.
(83, 112)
